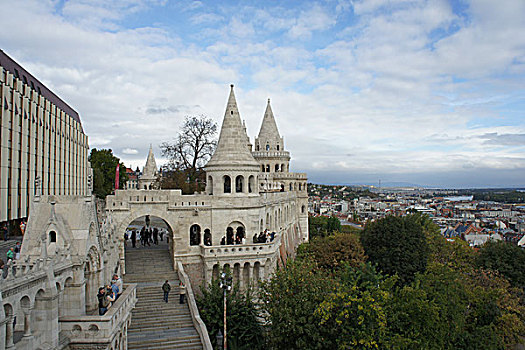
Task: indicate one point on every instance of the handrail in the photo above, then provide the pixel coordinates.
(195, 316)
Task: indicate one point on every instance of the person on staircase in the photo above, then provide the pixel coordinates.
(166, 289)
(134, 238)
(182, 291)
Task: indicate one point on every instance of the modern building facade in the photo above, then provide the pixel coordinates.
(42, 142)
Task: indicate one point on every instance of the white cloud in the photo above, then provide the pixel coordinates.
(130, 151)
(403, 86)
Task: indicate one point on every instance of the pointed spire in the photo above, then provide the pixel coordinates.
(232, 147)
(268, 126)
(150, 169)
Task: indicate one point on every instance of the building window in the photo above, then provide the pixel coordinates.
(239, 183)
(267, 147)
(52, 237)
(195, 235)
(227, 184)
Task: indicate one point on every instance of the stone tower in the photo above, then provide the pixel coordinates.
(269, 146)
(149, 173)
(232, 170)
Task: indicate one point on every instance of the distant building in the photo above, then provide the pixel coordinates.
(43, 147)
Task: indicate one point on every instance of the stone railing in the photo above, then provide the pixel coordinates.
(235, 250)
(273, 154)
(30, 269)
(195, 316)
(96, 329)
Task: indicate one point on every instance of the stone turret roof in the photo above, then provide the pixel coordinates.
(268, 127)
(232, 147)
(150, 169)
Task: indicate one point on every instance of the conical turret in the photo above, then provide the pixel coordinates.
(150, 169)
(269, 138)
(232, 147)
(232, 170)
(268, 126)
(149, 172)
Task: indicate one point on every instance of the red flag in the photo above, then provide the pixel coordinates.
(117, 176)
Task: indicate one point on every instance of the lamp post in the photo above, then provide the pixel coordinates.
(225, 284)
(219, 339)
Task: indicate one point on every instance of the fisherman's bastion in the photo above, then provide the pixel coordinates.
(73, 244)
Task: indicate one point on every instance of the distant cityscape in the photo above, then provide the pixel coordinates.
(475, 216)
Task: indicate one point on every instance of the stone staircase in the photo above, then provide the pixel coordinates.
(154, 323)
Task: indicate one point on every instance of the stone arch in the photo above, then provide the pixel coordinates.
(256, 271)
(227, 182)
(25, 306)
(140, 211)
(262, 168)
(195, 234)
(239, 184)
(215, 271)
(267, 146)
(267, 168)
(209, 185)
(291, 187)
(237, 273)
(39, 314)
(303, 209)
(276, 168)
(246, 275)
(207, 237)
(251, 184)
(9, 314)
(282, 168)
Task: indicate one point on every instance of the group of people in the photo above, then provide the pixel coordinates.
(264, 237)
(166, 288)
(146, 236)
(108, 294)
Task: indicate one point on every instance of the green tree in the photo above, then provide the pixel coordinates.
(333, 252)
(323, 226)
(244, 329)
(506, 258)
(354, 313)
(289, 301)
(397, 245)
(104, 165)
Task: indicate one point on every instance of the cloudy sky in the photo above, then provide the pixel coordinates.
(426, 92)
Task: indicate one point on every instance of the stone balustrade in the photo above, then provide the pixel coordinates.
(87, 330)
(271, 154)
(33, 269)
(239, 250)
(194, 311)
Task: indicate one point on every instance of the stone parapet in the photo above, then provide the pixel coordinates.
(271, 154)
(101, 332)
(195, 316)
(225, 252)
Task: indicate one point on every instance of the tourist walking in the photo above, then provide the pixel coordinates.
(155, 236)
(166, 289)
(182, 290)
(134, 239)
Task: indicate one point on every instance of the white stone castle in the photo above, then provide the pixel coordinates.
(247, 192)
(72, 245)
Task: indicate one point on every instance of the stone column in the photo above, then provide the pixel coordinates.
(241, 277)
(9, 333)
(27, 321)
